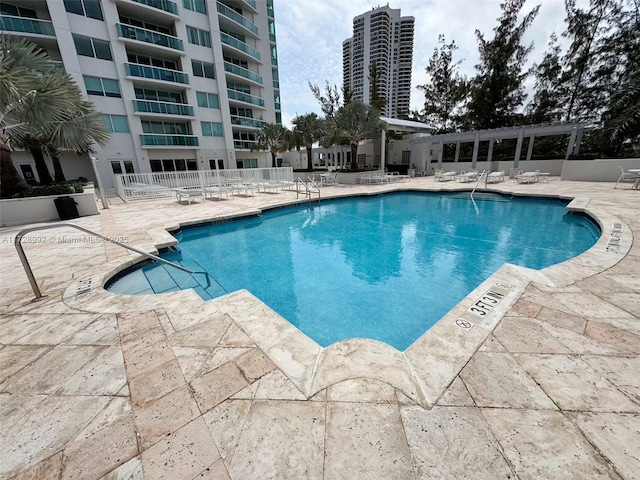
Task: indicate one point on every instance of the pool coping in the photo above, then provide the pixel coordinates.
(424, 370)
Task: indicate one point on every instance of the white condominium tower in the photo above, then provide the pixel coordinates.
(183, 85)
(384, 38)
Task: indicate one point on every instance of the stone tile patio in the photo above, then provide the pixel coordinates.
(94, 385)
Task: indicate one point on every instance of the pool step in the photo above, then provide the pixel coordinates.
(163, 278)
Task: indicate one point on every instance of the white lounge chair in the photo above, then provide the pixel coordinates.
(218, 190)
(495, 177)
(445, 176)
(463, 177)
(624, 176)
(528, 177)
(189, 194)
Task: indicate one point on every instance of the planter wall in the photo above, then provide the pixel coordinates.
(21, 211)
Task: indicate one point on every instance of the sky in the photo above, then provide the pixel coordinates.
(310, 35)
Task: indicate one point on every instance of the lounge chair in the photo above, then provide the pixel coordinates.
(189, 194)
(495, 177)
(445, 176)
(528, 177)
(466, 177)
(626, 176)
(218, 190)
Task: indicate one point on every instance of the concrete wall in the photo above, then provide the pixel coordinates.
(21, 211)
(597, 170)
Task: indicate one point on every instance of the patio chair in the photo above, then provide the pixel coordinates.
(495, 177)
(445, 176)
(625, 176)
(189, 194)
(528, 177)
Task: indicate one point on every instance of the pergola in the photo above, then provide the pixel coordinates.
(574, 130)
(397, 125)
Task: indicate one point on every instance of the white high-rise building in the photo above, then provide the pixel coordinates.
(183, 85)
(384, 38)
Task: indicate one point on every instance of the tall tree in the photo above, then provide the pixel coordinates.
(309, 129)
(446, 91)
(547, 103)
(273, 138)
(586, 30)
(377, 101)
(497, 90)
(357, 121)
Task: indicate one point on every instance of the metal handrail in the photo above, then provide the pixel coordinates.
(32, 278)
(483, 174)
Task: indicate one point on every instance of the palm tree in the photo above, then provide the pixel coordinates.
(309, 129)
(357, 121)
(22, 64)
(273, 138)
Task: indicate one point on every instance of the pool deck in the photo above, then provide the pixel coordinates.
(545, 384)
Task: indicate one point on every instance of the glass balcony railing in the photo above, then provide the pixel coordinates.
(165, 5)
(242, 72)
(9, 23)
(241, 145)
(245, 97)
(251, 3)
(246, 122)
(276, 84)
(149, 36)
(160, 140)
(274, 61)
(243, 47)
(236, 17)
(168, 108)
(272, 37)
(156, 73)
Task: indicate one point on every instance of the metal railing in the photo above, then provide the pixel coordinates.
(32, 278)
(142, 186)
(156, 73)
(149, 36)
(484, 175)
(238, 45)
(243, 72)
(236, 17)
(168, 108)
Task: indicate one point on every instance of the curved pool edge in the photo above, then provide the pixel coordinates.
(422, 372)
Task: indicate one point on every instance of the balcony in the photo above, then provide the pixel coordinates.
(160, 140)
(164, 108)
(156, 73)
(165, 5)
(245, 97)
(243, 145)
(9, 23)
(241, 46)
(246, 122)
(237, 18)
(149, 36)
(243, 72)
(272, 37)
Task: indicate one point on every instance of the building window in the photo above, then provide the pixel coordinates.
(87, 8)
(173, 165)
(202, 69)
(211, 129)
(92, 47)
(116, 123)
(199, 6)
(158, 95)
(406, 157)
(105, 87)
(207, 100)
(165, 128)
(14, 11)
(198, 37)
(153, 61)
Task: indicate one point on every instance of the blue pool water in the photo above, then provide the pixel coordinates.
(385, 267)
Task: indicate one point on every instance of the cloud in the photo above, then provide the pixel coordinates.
(310, 36)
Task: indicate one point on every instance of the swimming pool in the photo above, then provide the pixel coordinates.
(385, 267)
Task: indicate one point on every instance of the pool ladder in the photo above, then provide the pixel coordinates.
(308, 188)
(32, 278)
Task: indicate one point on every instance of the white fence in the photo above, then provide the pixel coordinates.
(140, 186)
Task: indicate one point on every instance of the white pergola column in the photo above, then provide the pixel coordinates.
(576, 145)
(440, 153)
(516, 157)
(476, 146)
(490, 152)
(530, 148)
(383, 141)
(457, 152)
(572, 141)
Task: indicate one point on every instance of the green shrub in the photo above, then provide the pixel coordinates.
(65, 188)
